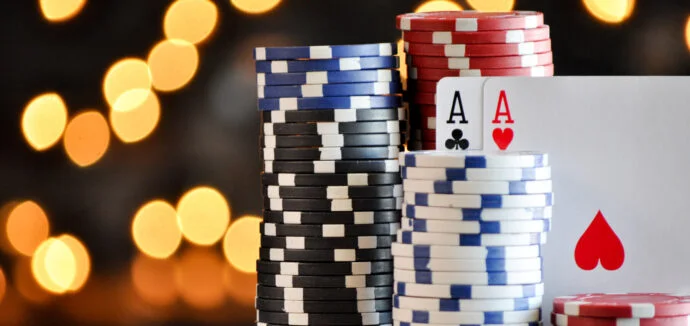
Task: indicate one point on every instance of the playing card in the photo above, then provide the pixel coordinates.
(459, 113)
(621, 176)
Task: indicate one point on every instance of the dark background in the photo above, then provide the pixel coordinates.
(208, 132)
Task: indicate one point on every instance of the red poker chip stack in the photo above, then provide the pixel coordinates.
(467, 43)
(640, 309)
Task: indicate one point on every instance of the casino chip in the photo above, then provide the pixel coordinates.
(327, 77)
(334, 166)
(333, 179)
(325, 51)
(329, 90)
(325, 269)
(469, 248)
(321, 294)
(345, 102)
(339, 140)
(333, 192)
(284, 318)
(334, 128)
(332, 217)
(357, 242)
(331, 153)
(337, 281)
(466, 44)
(623, 305)
(323, 306)
(352, 63)
(334, 115)
(328, 230)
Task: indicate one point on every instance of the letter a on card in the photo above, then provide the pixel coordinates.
(459, 113)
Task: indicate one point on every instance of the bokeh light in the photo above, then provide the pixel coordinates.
(240, 286)
(154, 280)
(26, 227)
(190, 20)
(60, 10)
(687, 33)
(3, 285)
(26, 284)
(255, 6)
(173, 63)
(123, 76)
(82, 261)
(241, 243)
(155, 230)
(43, 120)
(492, 5)
(135, 123)
(610, 11)
(60, 264)
(403, 61)
(438, 5)
(86, 138)
(198, 277)
(39, 268)
(203, 215)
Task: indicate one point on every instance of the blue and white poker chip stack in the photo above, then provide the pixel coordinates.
(332, 129)
(469, 248)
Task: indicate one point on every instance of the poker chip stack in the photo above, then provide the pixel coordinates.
(332, 129)
(642, 309)
(469, 248)
(467, 43)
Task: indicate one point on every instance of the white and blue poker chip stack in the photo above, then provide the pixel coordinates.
(332, 129)
(469, 248)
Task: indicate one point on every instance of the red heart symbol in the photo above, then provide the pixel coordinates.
(502, 137)
(599, 243)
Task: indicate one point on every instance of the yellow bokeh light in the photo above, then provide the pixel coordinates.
(610, 11)
(60, 10)
(255, 6)
(39, 268)
(155, 230)
(203, 215)
(27, 227)
(60, 264)
(492, 5)
(403, 62)
(123, 76)
(43, 120)
(82, 261)
(438, 5)
(687, 33)
(241, 243)
(87, 137)
(173, 63)
(198, 276)
(135, 123)
(190, 20)
(154, 280)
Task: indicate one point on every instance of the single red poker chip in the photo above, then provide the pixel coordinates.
(630, 305)
(424, 110)
(516, 61)
(469, 21)
(427, 145)
(437, 74)
(423, 123)
(565, 320)
(477, 50)
(425, 86)
(509, 36)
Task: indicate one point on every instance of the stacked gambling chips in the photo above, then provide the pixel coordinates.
(332, 129)
(641, 309)
(469, 248)
(467, 43)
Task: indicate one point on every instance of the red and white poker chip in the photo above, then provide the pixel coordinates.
(477, 50)
(469, 21)
(509, 36)
(630, 305)
(517, 61)
(437, 74)
(565, 320)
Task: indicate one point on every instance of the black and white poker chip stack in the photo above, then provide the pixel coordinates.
(331, 132)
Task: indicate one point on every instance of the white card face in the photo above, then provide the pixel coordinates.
(459, 113)
(617, 145)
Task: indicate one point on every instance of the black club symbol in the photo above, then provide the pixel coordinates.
(457, 142)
